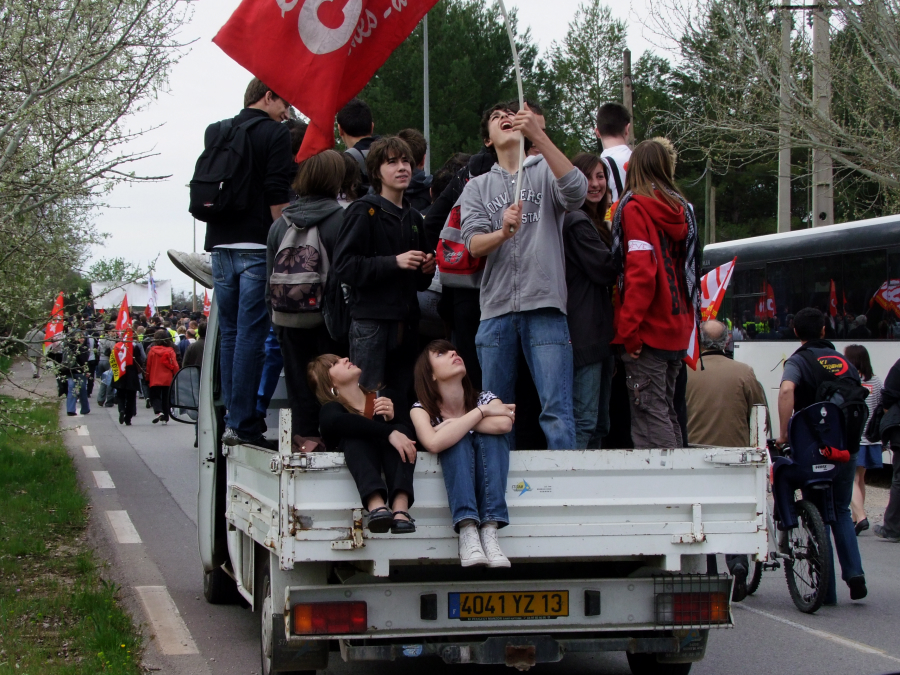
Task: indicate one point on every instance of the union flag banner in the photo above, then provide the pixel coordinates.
(55, 325)
(713, 285)
(888, 296)
(318, 54)
(122, 354)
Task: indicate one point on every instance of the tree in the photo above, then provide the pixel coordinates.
(471, 69)
(71, 73)
(115, 269)
(588, 72)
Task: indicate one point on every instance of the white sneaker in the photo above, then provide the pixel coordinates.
(491, 546)
(198, 266)
(470, 551)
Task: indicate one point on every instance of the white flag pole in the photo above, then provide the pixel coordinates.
(512, 44)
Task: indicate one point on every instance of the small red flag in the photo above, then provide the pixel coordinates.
(205, 303)
(123, 353)
(55, 325)
(318, 54)
(832, 301)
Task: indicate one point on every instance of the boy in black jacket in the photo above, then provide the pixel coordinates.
(381, 254)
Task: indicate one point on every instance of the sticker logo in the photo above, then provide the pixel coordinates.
(822, 468)
(521, 487)
(371, 212)
(836, 365)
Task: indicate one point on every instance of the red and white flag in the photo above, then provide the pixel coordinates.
(206, 303)
(55, 325)
(888, 296)
(713, 285)
(832, 301)
(123, 353)
(318, 54)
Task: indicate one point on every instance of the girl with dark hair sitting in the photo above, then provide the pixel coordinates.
(469, 430)
(363, 425)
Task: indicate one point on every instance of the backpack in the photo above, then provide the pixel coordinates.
(458, 267)
(222, 175)
(360, 157)
(849, 396)
(299, 278)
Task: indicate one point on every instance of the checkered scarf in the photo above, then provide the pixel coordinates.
(691, 263)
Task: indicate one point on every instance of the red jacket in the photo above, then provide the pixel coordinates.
(161, 366)
(654, 308)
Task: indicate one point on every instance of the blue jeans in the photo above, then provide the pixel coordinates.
(475, 471)
(844, 533)
(240, 285)
(591, 387)
(544, 336)
(270, 374)
(78, 391)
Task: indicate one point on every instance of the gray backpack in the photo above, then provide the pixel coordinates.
(297, 284)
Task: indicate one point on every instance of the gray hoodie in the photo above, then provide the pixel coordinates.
(529, 270)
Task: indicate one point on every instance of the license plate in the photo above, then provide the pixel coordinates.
(524, 605)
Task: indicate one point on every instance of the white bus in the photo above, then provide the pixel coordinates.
(848, 271)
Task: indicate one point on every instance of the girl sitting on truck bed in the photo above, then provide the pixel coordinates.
(363, 425)
(469, 430)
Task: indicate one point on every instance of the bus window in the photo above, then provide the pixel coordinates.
(748, 291)
(786, 281)
(820, 274)
(863, 276)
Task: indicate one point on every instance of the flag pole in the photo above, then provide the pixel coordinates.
(515, 52)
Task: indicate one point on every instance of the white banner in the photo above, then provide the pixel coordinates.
(109, 295)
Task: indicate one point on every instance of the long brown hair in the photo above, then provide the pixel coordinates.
(320, 382)
(859, 357)
(426, 387)
(650, 174)
(587, 162)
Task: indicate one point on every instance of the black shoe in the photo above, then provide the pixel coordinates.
(127, 423)
(157, 418)
(148, 403)
(70, 414)
(121, 418)
(861, 526)
(857, 587)
(739, 572)
(401, 526)
(380, 520)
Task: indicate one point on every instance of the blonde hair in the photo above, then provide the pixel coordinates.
(319, 380)
(650, 174)
(670, 150)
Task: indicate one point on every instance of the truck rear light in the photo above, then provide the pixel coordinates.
(691, 609)
(330, 618)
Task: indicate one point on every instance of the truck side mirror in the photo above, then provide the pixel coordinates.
(184, 397)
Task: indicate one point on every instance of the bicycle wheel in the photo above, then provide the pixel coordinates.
(753, 584)
(808, 569)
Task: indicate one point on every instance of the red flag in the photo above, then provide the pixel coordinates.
(713, 285)
(206, 303)
(832, 301)
(55, 325)
(123, 353)
(318, 54)
(765, 308)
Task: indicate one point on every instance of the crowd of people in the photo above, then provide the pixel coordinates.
(576, 279)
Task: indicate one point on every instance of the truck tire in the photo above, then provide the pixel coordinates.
(266, 639)
(219, 588)
(753, 584)
(646, 664)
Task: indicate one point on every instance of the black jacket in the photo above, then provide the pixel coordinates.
(419, 191)
(890, 401)
(373, 234)
(443, 203)
(590, 274)
(272, 174)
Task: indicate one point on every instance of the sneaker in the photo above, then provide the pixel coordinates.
(491, 546)
(882, 533)
(857, 587)
(158, 418)
(470, 552)
(230, 437)
(197, 266)
(164, 421)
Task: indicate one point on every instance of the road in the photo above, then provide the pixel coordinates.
(152, 476)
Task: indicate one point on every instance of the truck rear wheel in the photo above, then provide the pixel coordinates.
(266, 605)
(219, 588)
(646, 664)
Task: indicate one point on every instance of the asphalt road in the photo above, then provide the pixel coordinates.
(154, 470)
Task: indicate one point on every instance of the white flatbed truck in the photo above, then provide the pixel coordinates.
(608, 548)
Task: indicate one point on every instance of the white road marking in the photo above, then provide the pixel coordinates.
(90, 451)
(172, 635)
(831, 637)
(123, 527)
(103, 480)
(83, 430)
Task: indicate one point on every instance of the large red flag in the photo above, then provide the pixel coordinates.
(55, 325)
(318, 54)
(123, 353)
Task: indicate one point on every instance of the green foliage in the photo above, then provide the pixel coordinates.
(471, 68)
(57, 615)
(114, 269)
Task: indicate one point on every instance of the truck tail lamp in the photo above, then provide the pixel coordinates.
(692, 609)
(330, 618)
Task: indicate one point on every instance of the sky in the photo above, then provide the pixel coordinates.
(144, 220)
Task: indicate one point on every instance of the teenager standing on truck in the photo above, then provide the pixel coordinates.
(523, 290)
(613, 129)
(654, 246)
(468, 429)
(350, 422)
(381, 255)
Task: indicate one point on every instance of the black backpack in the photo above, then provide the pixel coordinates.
(847, 394)
(223, 173)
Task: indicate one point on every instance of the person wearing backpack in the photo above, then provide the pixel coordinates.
(250, 156)
(357, 131)
(300, 328)
(814, 363)
(381, 255)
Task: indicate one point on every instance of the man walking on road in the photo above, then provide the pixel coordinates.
(889, 530)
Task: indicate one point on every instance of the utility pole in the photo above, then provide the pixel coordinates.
(784, 124)
(707, 215)
(627, 92)
(427, 122)
(823, 188)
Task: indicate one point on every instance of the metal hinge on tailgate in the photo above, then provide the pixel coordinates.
(696, 534)
(315, 462)
(736, 457)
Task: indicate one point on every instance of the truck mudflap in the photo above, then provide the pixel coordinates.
(524, 651)
(295, 655)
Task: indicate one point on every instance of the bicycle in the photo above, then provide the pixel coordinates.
(797, 534)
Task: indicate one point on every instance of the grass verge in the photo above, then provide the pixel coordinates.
(57, 614)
